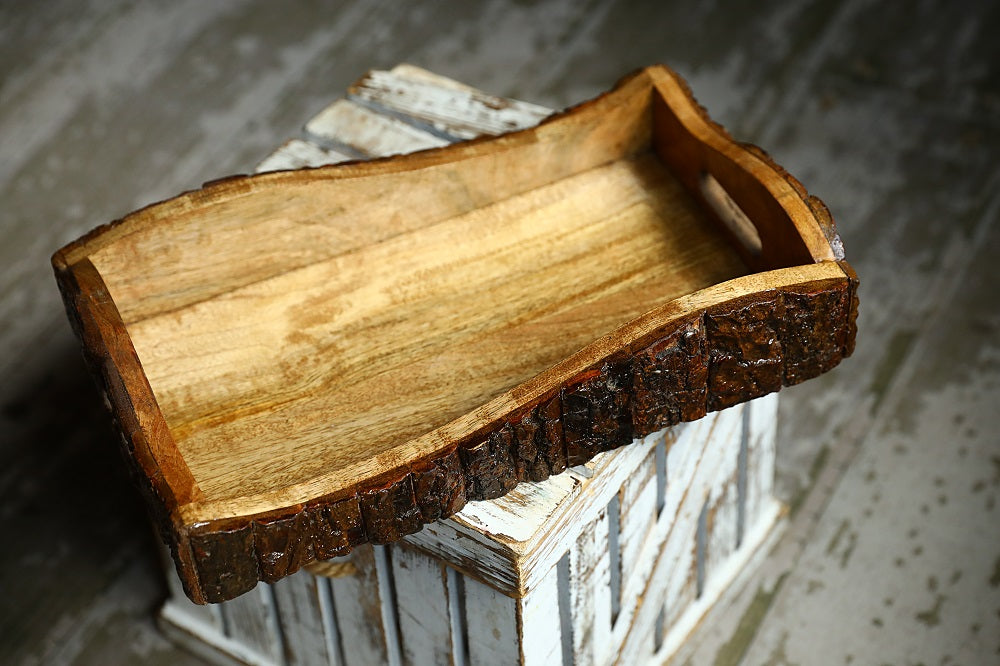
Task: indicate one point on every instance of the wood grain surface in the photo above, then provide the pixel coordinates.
(294, 310)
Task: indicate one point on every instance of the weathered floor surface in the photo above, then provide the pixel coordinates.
(891, 463)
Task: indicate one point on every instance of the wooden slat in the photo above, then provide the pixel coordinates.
(491, 623)
(697, 459)
(359, 612)
(422, 607)
(296, 154)
(410, 72)
(368, 133)
(681, 545)
(540, 625)
(590, 592)
(761, 453)
(299, 606)
(685, 452)
(722, 514)
(453, 113)
(248, 620)
(642, 533)
(638, 516)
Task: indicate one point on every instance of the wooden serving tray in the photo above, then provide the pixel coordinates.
(303, 361)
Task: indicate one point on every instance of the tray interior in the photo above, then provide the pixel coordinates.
(278, 376)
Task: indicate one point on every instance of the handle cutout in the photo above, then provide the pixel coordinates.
(731, 214)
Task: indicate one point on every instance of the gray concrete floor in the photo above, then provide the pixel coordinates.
(888, 111)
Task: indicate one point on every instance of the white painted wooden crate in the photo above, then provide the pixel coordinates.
(615, 561)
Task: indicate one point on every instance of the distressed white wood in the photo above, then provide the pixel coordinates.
(724, 504)
(590, 592)
(720, 572)
(636, 524)
(682, 459)
(367, 132)
(484, 585)
(645, 546)
(297, 154)
(540, 624)
(717, 585)
(388, 604)
(208, 642)
(673, 582)
(551, 540)
(358, 605)
(491, 625)
(405, 70)
(422, 606)
(328, 618)
(744, 577)
(248, 621)
(299, 609)
(454, 113)
(721, 524)
(761, 453)
(492, 540)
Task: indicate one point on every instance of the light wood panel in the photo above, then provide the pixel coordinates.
(274, 383)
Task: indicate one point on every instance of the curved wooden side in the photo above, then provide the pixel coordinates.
(731, 351)
(795, 227)
(155, 464)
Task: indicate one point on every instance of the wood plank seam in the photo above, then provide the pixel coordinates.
(423, 126)
(330, 143)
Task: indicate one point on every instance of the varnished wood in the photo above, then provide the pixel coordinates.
(304, 361)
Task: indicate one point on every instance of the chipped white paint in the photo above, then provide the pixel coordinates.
(493, 541)
(372, 134)
(453, 112)
(360, 613)
(762, 426)
(578, 569)
(296, 154)
(248, 620)
(299, 607)
(491, 625)
(590, 592)
(541, 623)
(422, 608)
(687, 608)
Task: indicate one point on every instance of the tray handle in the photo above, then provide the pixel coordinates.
(766, 211)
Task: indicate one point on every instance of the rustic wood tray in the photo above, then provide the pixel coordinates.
(303, 361)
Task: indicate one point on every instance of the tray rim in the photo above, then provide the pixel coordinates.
(179, 505)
